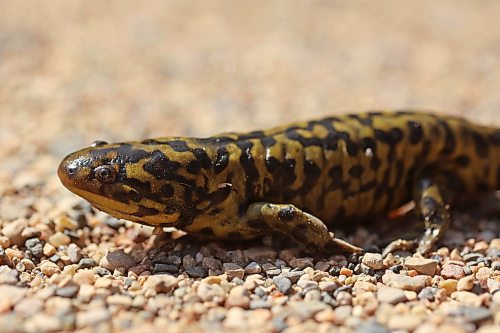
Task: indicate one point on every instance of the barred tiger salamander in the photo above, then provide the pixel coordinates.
(296, 179)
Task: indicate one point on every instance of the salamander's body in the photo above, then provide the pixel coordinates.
(297, 179)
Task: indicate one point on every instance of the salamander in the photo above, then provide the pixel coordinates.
(300, 179)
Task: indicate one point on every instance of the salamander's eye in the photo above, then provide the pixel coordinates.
(105, 174)
(71, 170)
(98, 143)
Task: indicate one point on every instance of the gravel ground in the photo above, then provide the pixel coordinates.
(73, 72)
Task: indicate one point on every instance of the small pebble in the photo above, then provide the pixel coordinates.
(465, 283)
(49, 268)
(390, 295)
(283, 284)
(301, 263)
(233, 270)
(451, 271)
(59, 239)
(34, 245)
(373, 260)
(197, 272)
(253, 268)
(421, 265)
(74, 253)
(117, 259)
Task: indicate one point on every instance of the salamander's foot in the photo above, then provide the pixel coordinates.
(400, 245)
(306, 230)
(432, 207)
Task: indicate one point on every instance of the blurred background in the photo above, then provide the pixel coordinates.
(72, 72)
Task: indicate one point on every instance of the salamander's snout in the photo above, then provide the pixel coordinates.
(73, 171)
(67, 172)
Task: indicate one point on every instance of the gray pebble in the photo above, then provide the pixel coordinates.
(212, 264)
(237, 257)
(35, 246)
(165, 268)
(293, 276)
(253, 268)
(260, 292)
(101, 271)
(55, 258)
(428, 293)
(68, 291)
(87, 263)
(472, 256)
(170, 260)
(283, 284)
(259, 304)
(475, 314)
(74, 253)
(197, 272)
(371, 326)
(273, 272)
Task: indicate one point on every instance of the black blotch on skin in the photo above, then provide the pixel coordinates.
(179, 145)
(481, 145)
(193, 167)
(365, 121)
(219, 195)
(235, 235)
(252, 135)
(125, 152)
(257, 224)
(248, 164)
(286, 214)
(170, 208)
(150, 142)
(222, 160)
(207, 231)
(498, 178)
(291, 134)
(416, 132)
(214, 211)
(391, 137)
(368, 186)
(267, 141)
(146, 211)
(160, 166)
(395, 135)
(127, 196)
(144, 188)
(336, 174)
(331, 141)
(495, 138)
(272, 164)
(288, 172)
(462, 161)
(352, 147)
(449, 139)
(369, 143)
(312, 173)
(356, 171)
(167, 191)
(375, 163)
(299, 233)
(202, 158)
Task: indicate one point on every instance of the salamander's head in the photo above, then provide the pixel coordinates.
(135, 181)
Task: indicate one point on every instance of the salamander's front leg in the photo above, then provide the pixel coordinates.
(305, 229)
(432, 207)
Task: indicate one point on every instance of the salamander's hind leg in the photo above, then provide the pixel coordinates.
(305, 229)
(432, 207)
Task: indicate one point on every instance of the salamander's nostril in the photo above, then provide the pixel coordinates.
(71, 170)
